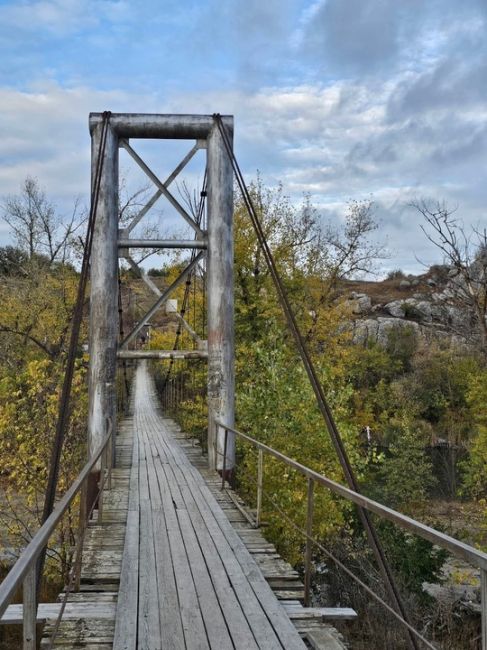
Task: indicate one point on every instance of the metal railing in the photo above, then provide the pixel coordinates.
(463, 551)
(24, 570)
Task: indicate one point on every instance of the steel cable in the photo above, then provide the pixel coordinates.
(314, 379)
(76, 320)
(186, 296)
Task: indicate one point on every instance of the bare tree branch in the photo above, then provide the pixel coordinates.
(466, 255)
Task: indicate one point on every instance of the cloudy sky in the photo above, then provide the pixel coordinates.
(341, 99)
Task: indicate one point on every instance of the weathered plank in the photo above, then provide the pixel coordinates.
(125, 636)
(72, 612)
(321, 613)
(88, 622)
(175, 609)
(269, 623)
(323, 639)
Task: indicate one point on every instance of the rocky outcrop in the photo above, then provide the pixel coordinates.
(429, 311)
(379, 329)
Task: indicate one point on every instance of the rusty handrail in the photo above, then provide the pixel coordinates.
(25, 567)
(464, 551)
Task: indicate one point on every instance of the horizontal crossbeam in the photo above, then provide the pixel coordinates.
(162, 354)
(147, 125)
(162, 243)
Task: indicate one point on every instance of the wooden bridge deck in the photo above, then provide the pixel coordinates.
(174, 563)
(187, 579)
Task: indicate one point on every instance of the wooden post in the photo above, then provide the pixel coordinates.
(309, 543)
(30, 609)
(103, 303)
(221, 371)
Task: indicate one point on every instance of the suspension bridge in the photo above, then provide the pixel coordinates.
(167, 555)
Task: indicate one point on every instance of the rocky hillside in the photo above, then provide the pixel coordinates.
(425, 304)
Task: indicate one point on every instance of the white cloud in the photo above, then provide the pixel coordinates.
(61, 17)
(336, 141)
(45, 134)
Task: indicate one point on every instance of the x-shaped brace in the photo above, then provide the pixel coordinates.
(162, 187)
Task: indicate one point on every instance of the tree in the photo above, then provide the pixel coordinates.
(475, 468)
(37, 229)
(407, 474)
(28, 411)
(37, 294)
(465, 252)
(351, 250)
(312, 256)
(13, 261)
(37, 281)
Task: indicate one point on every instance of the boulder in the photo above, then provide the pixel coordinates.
(396, 308)
(424, 311)
(362, 304)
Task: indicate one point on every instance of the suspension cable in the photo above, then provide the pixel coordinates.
(314, 379)
(76, 320)
(126, 383)
(186, 296)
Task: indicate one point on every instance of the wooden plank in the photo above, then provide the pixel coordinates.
(323, 639)
(73, 611)
(224, 532)
(284, 595)
(149, 631)
(216, 627)
(321, 613)
(125, 635)
(242, 579)
(172, 635)
(195, 634)
(81, 633)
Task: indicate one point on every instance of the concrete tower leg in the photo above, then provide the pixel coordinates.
(221, 337)
(103, 302)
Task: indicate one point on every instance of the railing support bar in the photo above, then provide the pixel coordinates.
(30, 609)
(224, 466)
(101, 484)
(483, 605)
(82, 524)
(260, 482)
(309, 543)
